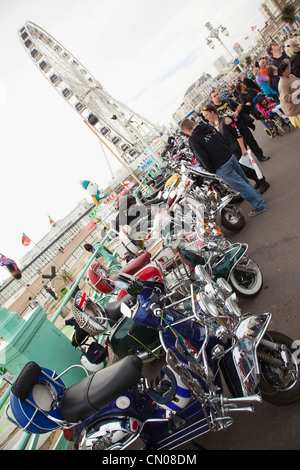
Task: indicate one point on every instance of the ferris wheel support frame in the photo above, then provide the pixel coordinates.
(114, 154)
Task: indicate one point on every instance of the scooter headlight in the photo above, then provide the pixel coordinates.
(224, 286)
(207, 305)
(233, 307)
(202, 275)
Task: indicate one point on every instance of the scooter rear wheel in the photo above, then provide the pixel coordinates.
(233, 221)
(246, 278)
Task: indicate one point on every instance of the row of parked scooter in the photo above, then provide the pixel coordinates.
(163, 238)
(172, 302)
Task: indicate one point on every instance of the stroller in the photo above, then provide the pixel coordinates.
(275, 125)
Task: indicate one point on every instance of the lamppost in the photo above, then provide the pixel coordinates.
(214, 33)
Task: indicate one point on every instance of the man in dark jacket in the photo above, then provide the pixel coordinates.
(212, 152)
(250, 83)
(246, 99)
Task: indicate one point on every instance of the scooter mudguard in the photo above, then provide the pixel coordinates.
(158, 433)
(190, 258)
(123, 344)
(231, 257)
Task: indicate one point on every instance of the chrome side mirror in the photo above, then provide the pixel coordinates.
(125, 310)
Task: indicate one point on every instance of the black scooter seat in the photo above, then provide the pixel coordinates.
(153, 195)
(93, 393)
(156, 201)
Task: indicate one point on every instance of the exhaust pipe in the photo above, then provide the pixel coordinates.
(230, 404)
(252, 398)
(243, 408)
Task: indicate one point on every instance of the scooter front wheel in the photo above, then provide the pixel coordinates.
(246, 278)
(279, 369)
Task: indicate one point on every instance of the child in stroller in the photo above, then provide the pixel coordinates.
(273, 118)
(269, 109)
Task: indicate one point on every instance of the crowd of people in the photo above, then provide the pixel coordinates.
(277, 78)
(221, 131)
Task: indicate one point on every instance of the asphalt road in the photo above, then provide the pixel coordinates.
(274, 242)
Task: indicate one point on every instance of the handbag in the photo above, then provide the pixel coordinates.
(248, 161)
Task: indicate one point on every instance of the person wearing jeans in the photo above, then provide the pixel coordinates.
(234, 175)
(212, 152)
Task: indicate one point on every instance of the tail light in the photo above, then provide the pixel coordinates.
(68, 434)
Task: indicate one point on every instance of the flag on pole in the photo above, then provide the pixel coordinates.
(81, 300)
(127, 184)
(53, 224)
(25, 240)
(4, 261)
(11, 266)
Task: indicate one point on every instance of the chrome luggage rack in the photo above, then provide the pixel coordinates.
(48, 384)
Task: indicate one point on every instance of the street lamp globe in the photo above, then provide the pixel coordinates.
(224, 30)
(209, 26)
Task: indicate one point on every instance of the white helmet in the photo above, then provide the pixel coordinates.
(95, 358)
(90, 366)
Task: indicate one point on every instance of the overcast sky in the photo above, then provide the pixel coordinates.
(146, 53)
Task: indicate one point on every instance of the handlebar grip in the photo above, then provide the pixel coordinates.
(135, 287)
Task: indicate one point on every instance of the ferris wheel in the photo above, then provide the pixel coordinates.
(109, 119)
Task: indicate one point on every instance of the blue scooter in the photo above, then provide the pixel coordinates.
(120, 408)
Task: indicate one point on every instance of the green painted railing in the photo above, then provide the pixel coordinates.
(61, 443)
